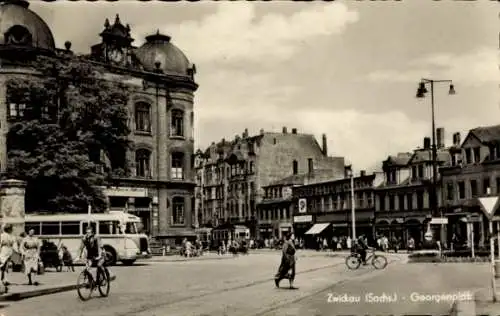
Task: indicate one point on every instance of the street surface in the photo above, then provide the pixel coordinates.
(244, 286)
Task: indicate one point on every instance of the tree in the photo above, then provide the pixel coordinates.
(72, 116)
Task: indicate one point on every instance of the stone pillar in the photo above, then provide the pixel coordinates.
(130, 205)
(12, 204)
(154, 216)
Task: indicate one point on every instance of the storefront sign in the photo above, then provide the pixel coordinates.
(302, 219)
(439, 221)
(126, 192)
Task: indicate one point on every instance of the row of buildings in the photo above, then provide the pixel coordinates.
(287, 182)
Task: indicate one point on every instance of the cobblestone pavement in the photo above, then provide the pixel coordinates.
(399, 282)
(239, 286)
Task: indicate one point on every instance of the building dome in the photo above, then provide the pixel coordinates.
(19, 26)
(159, 49)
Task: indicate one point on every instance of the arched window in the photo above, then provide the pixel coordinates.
(177, 171)
(178, 210)
(143, 117)
(177, 123)
(142, 163)
(18, 35)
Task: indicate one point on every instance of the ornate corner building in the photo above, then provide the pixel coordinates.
(161, 112)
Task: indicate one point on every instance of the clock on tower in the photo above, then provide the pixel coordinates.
(116, 55)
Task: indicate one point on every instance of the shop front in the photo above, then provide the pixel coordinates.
(137, 201)
(301, 224)
(266, 231)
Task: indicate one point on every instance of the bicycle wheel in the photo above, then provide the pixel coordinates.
(84, 285)
(379, 262)
(353, 262)
(104, 283)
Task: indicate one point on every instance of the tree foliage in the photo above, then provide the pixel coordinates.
(72, 118)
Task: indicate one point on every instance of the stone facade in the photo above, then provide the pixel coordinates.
(161, 187)
(231, 175)
(12, 204)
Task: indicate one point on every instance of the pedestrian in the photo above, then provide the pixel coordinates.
(325, 244)
(286, 269)
(349, 243)
(411, 244)
(8, 243)
(30, 250)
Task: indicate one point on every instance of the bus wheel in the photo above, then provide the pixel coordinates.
(109, 256)
(128, 262)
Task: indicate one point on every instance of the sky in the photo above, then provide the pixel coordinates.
(348, 69)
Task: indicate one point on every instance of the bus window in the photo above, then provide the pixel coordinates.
(70, 228)
(51, 228)
(108, 228)
(33, 225)
(130, 228)
(84, 227)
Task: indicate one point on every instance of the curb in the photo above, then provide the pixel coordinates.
(463, 308)
(186, 259)
(42, 292)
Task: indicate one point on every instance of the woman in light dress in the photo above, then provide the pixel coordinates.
(8, 243)
(30, 249)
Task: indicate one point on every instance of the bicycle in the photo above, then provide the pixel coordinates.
(353, 261)
(86, 281)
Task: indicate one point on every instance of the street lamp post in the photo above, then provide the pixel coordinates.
(422, 90)
(353, 206)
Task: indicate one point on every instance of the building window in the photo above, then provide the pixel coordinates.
(414, 172)
(142, 163)
(450, 191)
(177, 166)
(18, 35)
(391, 202)
(468, 156)
(477, 154)
(461, 190)
(420, 200)
(486, 186)
(16, 110)
(382, 202)
(401, 202)
(177, 124)
(143, 117)
(409, 201)
(295, 167)
(252, 167)
(420, 171)
(473, 188)
(178, 210)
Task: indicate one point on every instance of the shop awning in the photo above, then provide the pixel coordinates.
(317, 228)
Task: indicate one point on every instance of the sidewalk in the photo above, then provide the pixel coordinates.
(484, 302)
(49, 283)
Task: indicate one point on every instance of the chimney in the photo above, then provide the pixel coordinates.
(223, 141)
(427, 143)
(284, 130)
(261, 131)
(362, 173)
(440, 137)
(324, 147)
(245, 133)
(456, 139)
(294, 131)
(310, 165)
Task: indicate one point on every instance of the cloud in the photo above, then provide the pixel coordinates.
(234, 33)
(473, 68)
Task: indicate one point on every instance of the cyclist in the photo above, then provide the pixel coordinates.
(92, 244)
(361, 247)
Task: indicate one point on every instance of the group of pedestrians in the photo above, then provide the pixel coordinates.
(26, 245)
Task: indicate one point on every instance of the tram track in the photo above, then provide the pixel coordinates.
(145, 308)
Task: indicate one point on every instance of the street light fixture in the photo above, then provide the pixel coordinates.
(421, 92)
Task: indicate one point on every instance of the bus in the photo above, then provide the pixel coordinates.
(117, 230)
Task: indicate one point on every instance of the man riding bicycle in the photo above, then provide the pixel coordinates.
(92, 244)
(360, 248)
